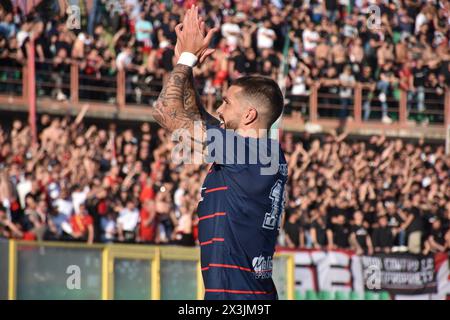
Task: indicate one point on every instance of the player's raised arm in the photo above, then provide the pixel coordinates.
(178, 105)
(169, 109)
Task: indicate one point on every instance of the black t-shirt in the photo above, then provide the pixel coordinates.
(274, 60)
(420, 76)
(394, 221)
(293, 231)
(45, 44)
(417, 222)
(321, 233)
(361, 235)
(438, 236)
(251, 66)
(166, 59)
(239, 62)
(340, 235)
(382, 237)
(331, 5)
(364, 79)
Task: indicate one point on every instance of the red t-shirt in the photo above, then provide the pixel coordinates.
(147, 233)
(80, 223)
(147, 193)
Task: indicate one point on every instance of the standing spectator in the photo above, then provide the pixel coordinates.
(385, 85)
(347, 82)
(231, 32)
(127, 222)
(420, 73)
(265, 36)
(148, 226)
(413, 226)
(438, 240)
(108, 227)
(144, 29)
(382, 236)
(368, 87)
(359, 236)
(338, 232)
(310, 38)
(319, 232)
(183, 233)
(293, 231)
(81, 224)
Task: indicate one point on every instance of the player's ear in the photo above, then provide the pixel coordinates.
(250, 116)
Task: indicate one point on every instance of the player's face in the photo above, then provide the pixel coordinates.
(230, 111)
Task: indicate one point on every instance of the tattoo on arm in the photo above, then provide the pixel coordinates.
(169, 110)
(177, 108)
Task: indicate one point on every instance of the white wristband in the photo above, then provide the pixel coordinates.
(188, 59)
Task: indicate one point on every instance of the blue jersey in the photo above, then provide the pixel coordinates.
(239, 220)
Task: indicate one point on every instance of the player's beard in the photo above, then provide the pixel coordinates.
(230, 125)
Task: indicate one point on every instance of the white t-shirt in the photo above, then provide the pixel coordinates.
(23, 188)
(299, 86)
(420, 20)
(264, 38)
(79, 198)
(310, 38)
(64, 207)
(227, 30)
(108, 227)
(128, 219)
(135, 8)
(123, 60)
(346, 92)
(58, 221)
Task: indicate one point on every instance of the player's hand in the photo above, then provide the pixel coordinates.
(206, 54)
(191, 35)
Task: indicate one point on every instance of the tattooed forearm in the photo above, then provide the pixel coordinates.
(169, 110)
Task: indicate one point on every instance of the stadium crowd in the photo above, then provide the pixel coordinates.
(385, 45)
(95, 184)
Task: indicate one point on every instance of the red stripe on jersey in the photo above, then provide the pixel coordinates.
(212, 216)
(230, 266)
(216, 189)
(211, 241)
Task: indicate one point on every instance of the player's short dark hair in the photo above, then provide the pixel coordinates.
(265, 90)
